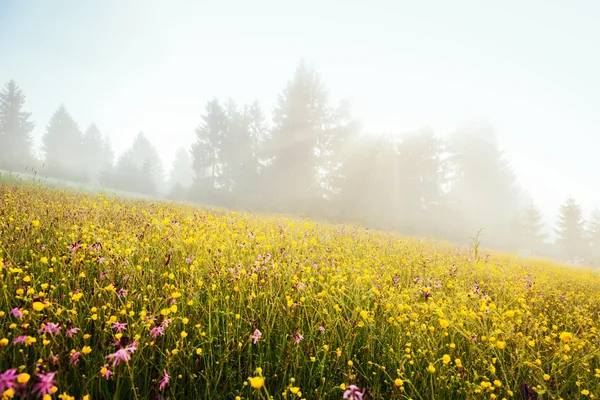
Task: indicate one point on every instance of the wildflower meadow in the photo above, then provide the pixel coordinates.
(104, 297)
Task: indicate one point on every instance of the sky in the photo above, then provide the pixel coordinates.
(530, 68)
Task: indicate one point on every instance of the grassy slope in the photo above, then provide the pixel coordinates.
(402, 318)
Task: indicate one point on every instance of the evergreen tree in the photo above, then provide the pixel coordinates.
(360, 179)
(107, 159)
(531, 228)
(482, 185)
(239, 153)
(97, 152)
(301, 118)
(62, 145)
(146, 181)
(205, 152)
(126, 174)
(339, 142)
(593, 232)
(231, 145)
(418, 186)
(570, 229)
(15, 129)
(139, 169)
(251, 187)
(181, 172)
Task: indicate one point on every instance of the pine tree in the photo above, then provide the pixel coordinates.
(239, 153)
(232, 143)
(301, 118)
(106, 174)
(97, 152)
(253, 185)
(181, 172)
(570, 229)
(143, 151)
(418, 184)
(531, 228)
(339, 142)
(593, 232)
(15, 129)
(126, 174)
(205, 152)
(360, 179)
(62, 145)
(181, 175)
(146, 181)
(482, 185)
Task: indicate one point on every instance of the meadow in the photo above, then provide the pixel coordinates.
(103, 297)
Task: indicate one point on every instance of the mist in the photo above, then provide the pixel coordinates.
(460, 121)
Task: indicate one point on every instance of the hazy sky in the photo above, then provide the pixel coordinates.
(531, 68)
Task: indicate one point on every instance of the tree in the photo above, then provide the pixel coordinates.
(126, 174)
(142, 152)
(232, 149)
(139, 168)
(146, 182)
(205, 151)
(482, 187)
(531, 228)
(336, 146)
(97, 152)
(106, 172)
(259, 134)
(301, 118)
(361, 180)
(570, 229)
(62, 146)
(181, 172)
(15, 129)
(418, 185)
(593, 233)
(239, 152)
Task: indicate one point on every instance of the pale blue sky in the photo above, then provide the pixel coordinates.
(531, 68)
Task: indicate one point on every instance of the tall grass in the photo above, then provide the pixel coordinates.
(212, 299)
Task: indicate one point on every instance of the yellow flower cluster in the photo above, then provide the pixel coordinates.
(186, 302)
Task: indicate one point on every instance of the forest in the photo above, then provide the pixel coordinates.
(312, 158)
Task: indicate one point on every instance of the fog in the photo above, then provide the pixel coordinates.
(425, 118)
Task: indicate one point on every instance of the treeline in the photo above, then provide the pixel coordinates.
(313, 158)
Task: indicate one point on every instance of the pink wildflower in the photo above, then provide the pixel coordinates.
(157, 331)
(16, 312)
(72, 331)
(166, 323)
(298, 337)
(75, 357)
(74, 247)
(106, 372)
(44, 385)
(119, 326)
(123, 354)
(164, 381)
(20, 339)
(8, 379)
(256, 335)
(353, 393)
(51, 328)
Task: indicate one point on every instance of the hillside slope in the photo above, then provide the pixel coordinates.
(136, 299)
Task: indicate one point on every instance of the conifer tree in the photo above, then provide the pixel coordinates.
(62, 146)
(531, 228)
(570, 229)
(15, 129)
